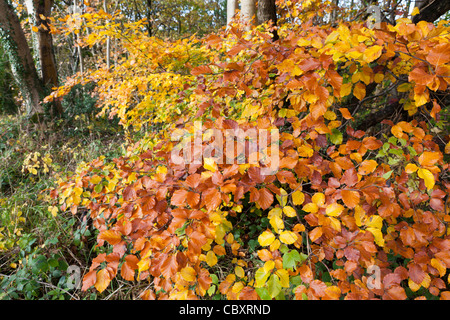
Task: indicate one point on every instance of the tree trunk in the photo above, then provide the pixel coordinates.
(47, 61)
(431, 10)
(248, 11)
(19, 53)
(267, 12)
(232, 6)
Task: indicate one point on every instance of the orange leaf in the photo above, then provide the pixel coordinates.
(436, 109)
(367, 166)
(350, 198)
(345, 113)
(211, 198)
(439, 54)
(265, 199)
(103, 280)
(89, 280)
(315, 234)
(179, 198)
(429, 158)
(200, 70)
(169, 266)
(129, 193)
(111, 236)
(350, 177)
(359, 91)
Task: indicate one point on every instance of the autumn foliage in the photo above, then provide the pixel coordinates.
(348, 214)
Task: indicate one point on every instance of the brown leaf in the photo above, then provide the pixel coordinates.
(350, 177)
(416, 273)
(265, 199)
(397, 293)
(129, 193)
(200, 70)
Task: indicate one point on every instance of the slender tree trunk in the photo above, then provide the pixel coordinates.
(40, 10)
(248, 11)
(267, 12)
(232, 6)
(108, 41)
(19, 53)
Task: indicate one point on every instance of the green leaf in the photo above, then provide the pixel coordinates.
(263, 294)
(274, 286)
(292, 259)
(387, 175)
(98, 188)
(336, 136)
(260, 277)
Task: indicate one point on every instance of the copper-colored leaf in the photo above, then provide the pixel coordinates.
(212, 199)
(350, 177)
(350, 198)
(265, 199)
(89, 280)
(129, 193)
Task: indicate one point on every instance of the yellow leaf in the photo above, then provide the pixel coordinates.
(318, 198)
(163, 169)
(275, 245)
(410, 168)
(277, 223)
(335, 224)
(359, 91)
(268, 265)
(334, 209)
(311, 207)
(35, 29)
(378, 235)
(266, 238)
(372, 53)
(298, 198)
(188, 274)
(275, 212)
(284, 277)
(346, 89)
(415, 11)
(282, 198)
(427, 177)
(211, 258)
(439, 266)
(289, 211)
(239, 271)
(210, 164)
(288, 237)
(413, 286)
(53, 210)
(375, 221)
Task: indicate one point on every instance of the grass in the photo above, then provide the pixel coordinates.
(44, 256)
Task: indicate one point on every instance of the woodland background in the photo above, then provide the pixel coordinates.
(91, 92)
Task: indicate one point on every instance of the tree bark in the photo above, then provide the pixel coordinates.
(47, 61)
(431, 10)
(248, 11)
(267, 11)
(21, 59)
(232, 6)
